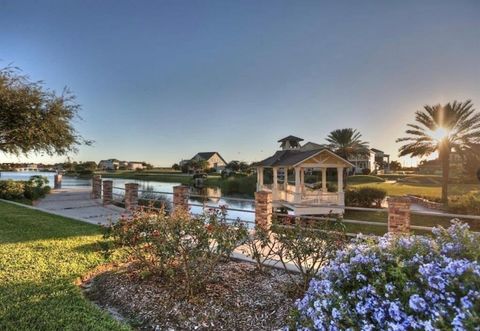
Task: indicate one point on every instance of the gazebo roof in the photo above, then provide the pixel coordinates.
(290, 138)
(290, 158)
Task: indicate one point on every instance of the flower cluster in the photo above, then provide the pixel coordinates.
(398, 283)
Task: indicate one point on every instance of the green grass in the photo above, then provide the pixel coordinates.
(433, 191)
(150, 176)
(359, 179)
(382, 217)
(41, 256)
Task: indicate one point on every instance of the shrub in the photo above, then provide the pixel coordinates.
(36, 188)
(466, 204)
(307, 244)
(398, 282)
(155, 200)
(366, 171)
(365, 197)
(184, 249)
(11, 190)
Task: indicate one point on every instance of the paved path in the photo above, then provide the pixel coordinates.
(76, 203)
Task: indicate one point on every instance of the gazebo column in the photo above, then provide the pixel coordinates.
(285, 181)
(302, 180)
(259, 178)
(298, 186)
(324, 180)
(341, 194)
(275, 178)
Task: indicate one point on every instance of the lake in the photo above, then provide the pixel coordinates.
(215, 197)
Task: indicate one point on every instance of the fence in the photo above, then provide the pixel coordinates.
(396, 218)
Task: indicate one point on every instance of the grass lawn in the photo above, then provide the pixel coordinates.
(40, 258)
(434, 191)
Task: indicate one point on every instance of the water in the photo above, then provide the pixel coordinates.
(214, 194)
(25, 175)
(215, 198)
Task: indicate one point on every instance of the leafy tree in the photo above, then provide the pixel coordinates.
(175, 166)
(35, 119)
(233, 165)
(347, 143)
(454, 126)
(395, 166)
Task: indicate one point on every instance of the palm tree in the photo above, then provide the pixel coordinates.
(347, 143)
(455, 126)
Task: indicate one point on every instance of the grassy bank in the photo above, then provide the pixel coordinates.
(40, 258)
(150, 176)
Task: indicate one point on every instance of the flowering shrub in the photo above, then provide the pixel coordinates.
(398, 283)
(183, 249)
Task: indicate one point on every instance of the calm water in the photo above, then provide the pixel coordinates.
(214, 194)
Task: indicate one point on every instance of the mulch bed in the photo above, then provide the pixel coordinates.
(240, 299)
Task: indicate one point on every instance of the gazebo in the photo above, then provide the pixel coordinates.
(300, 198)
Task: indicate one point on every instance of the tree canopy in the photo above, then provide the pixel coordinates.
(34, 118)
(347, 142)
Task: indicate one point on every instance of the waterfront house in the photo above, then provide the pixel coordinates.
(134, 165)
(110, 164)
(214, 160)
(298, 197)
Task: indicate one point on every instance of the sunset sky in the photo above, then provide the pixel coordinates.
(161, 80)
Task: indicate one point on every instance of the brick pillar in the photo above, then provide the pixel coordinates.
(107, 192)
(57, 182)
(398, 214)
(180, 197)
(131, 196)
(263, 209)
(97, 187)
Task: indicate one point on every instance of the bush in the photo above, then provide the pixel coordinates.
(398, 283)
(11, 190)
(307, 244)
(182, 248)
(466, 204)
(365, 197)
(36, 188)
(366, 171)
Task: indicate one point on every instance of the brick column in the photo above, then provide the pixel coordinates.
(107, 192)
(97, 187)
(180, 197)
(398, 214)
(131, 196)
(263, 209)
(57, 182)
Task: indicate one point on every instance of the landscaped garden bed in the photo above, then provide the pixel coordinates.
(238, 297)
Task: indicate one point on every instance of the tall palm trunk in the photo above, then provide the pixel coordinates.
(444, 155)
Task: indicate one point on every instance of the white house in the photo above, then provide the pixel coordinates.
(299, 198)
(214, 160)
(110, 164)
(134, 165)
(362, 162)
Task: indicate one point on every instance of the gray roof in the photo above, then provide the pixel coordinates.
(207, 155)
(291, 157)
(290, 138)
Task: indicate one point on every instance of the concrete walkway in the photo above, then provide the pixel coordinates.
(76, 203)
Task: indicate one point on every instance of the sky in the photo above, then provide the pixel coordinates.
(159, 81)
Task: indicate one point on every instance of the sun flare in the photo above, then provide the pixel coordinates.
(440, 134)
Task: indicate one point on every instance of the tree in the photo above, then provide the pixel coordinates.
(35, 119)
(395, 166)
(455, 126)
(233, 165)
(347, 143)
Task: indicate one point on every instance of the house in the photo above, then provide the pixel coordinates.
(299, 198)
(382, 160)
(363, 162)
(214, 160)
(360, 162)
(110, 164)
(134, 165)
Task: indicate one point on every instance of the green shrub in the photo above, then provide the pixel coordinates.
(366, 171)
(466, 204)
(365, 197)
(184, 249)
(11, 190)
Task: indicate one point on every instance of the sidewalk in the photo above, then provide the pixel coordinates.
(76, 203)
